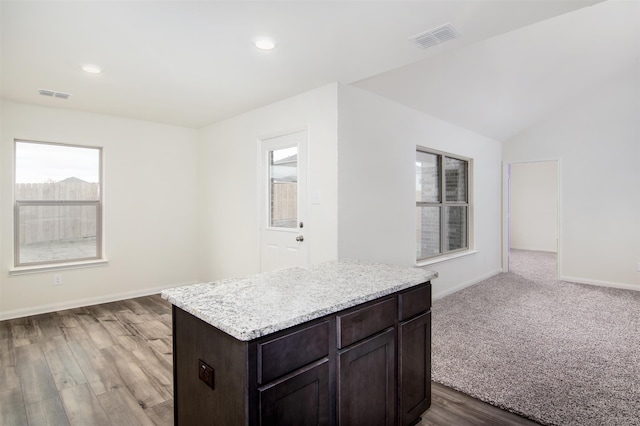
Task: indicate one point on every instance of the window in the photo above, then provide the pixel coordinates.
(283, 187)
(442, 204)
(58, 208)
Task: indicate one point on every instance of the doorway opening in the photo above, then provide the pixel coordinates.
(533, 225)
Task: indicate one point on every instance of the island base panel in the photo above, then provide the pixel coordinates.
(195, 403)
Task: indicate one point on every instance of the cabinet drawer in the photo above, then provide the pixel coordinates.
(364, 322)
(284, 354)
(414, 301)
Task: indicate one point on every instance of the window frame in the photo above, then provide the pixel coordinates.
(97, 204)
(442, 205)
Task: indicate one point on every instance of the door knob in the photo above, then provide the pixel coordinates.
(300, 238)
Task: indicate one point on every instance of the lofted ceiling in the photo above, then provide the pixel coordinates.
(193, 63)
(503, 85)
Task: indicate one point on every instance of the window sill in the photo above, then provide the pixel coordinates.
(19, 270)
(445, 258)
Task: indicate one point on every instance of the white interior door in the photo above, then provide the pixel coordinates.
(283, 189)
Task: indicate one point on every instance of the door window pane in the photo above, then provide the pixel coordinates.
(283, 190)
(428, 231)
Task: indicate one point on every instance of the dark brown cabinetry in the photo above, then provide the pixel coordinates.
(367, 386)
(414, 353)
(414, 367)
(369, 364)
(293, 377)
(299, 399)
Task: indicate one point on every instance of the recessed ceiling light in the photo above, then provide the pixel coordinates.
(265, 44)
(92, 69)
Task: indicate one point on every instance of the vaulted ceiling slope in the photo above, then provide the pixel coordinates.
(192, 63)
(505, 84)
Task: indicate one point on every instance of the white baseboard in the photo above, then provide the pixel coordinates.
(78, 303)
(542, 249)
(577, 280)
(464, 285)
(600, 283)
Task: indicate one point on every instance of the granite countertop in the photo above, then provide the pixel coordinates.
(254, 306)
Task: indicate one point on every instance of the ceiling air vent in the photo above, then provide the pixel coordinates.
(435, 36)
(54, 94)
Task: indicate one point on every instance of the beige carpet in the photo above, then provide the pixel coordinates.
(555, 352)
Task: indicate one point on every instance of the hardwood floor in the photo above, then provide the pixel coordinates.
(452, 408)
(107, 364)
(111, 364)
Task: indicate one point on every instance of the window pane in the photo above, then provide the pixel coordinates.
(56, 172)
(455, 172)
(283, 191)
(54, 233)
(455, 231)
(428, 231)
(427, 177)
(70, 189)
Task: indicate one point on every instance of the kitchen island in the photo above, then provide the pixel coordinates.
(344, 342)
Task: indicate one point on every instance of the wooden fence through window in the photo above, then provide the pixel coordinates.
(40, 224)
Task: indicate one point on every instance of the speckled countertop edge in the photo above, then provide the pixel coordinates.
(254, 306)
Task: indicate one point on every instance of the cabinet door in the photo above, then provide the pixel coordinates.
(367, 383)
(299, 399)
(414, 368)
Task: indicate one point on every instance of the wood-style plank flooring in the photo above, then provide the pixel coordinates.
(111, 364)
(107, 364)
(452, 408)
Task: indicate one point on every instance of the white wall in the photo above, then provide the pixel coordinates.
(376, 177)
(149, 209)
(228, 213)
(597, 139)
(534, 206)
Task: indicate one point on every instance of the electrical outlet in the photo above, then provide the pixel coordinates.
(205, 373)
(57, 280)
